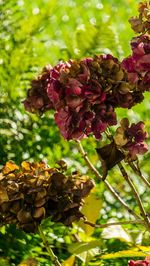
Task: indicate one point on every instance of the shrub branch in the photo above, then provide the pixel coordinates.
(99, 177)
(136, 194)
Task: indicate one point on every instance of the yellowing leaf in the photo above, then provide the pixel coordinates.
(69, 262)
(144, 248)
(135, 252)
(9, 167)
(91, 210)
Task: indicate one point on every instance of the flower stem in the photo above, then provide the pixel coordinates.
(53, 257)
(135, 192)
(114, 223)
(138, 172)
(97, 174)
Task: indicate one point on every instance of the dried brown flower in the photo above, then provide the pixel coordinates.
(34, 191)
(141, 24)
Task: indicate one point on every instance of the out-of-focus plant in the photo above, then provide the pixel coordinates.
(84, 96)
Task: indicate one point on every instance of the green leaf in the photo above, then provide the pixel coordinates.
(88, 255)
(116, 231)
(77, 248)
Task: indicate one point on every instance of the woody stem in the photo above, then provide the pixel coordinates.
(113, 223)
(99, 177)
(136, 195)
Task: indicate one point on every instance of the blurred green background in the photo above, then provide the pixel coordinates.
(40, 32)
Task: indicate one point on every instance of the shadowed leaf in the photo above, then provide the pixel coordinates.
(109, 156)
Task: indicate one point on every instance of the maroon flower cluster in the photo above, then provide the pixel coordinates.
(84, 95)
(131, 139)
(138, 64)
(145, 262)
(37, 99)
(79, 96)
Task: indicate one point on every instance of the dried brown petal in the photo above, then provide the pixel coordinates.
(109, 156)
(40, 202)
(28, 227)
(24, 216)
(120, 138)
(3, 194)
(5, 206)
(15, 207)
(41, 194)
(26, 166)
(62, 165)
(136, 24)
(1, 176)
(119, 75)
(39, 213)
(9, 167)
(124, 123)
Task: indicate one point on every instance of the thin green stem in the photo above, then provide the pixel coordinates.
(135, 192)
(99, 177)
(114, 223)
(53, 257)
(138, 172)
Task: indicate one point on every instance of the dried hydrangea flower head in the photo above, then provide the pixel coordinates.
(37, 99)
(141, 24)
(34, 191)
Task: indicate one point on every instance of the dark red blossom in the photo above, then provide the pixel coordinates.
(80, 95)
(84, 93)
(37, 99)
(145, 262)
(138, 64)
(131, 139)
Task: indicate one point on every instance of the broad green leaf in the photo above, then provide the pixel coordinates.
(116, 231)
(88, 255)
(77, 248)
